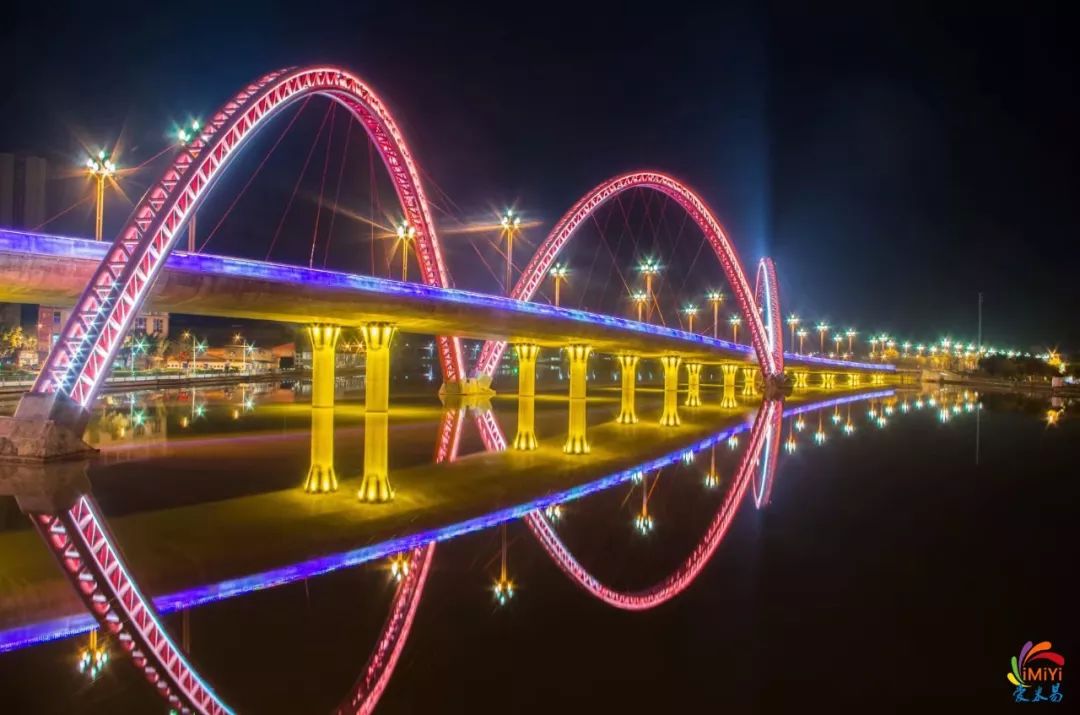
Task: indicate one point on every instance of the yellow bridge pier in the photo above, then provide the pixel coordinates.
(375, 486)
(670, 416)
(525, 439)
(321, 477)
(693, 384)
(802, 380)
(727, 400)
(749, 385)
(576, 441)
(324, 339)
(628, 374)
(828, 380)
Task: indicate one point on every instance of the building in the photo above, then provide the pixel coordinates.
(51, 321)
(22, 190)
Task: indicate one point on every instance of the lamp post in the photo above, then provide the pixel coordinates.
(640, 299)
(406, 233)
(196, 348)
(802, 338)
(690, 310)
(851, 333)
(649, 268)
(735, 322)
(822, 328)
(100, 168)
(837, 338)
(793, 322)
(558, 272)
(511, 224)
(715, 297)
(184, 136)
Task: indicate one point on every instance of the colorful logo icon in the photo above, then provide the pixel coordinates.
(1037, 666)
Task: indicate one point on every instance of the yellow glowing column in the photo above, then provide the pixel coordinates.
(802, 379)
(670, 415)
(828, 380)
(321, 478)
(576, 442)
(324, 340)
(628, 369)
(728, 401)
(375, 486)
(693, 384)
(526, 433)
(749, 375)
(853, 379)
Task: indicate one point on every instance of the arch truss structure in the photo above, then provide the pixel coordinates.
(758, 456)
(81, 359)
(767, 344)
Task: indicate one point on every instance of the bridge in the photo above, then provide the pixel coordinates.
(109, 284)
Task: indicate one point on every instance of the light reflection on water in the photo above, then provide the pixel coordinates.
(121, 423)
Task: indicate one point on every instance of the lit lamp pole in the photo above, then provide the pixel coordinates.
(836, 340)
(793, 322)
(873, 346)
(690, 310)
(100, 169)
(735, 322)
(511, 224)
(184, 136)
(851, 333)
(822, 328)
(802, 338)
(640, 299)
(406, 233)
(196, 347)
(715, 297)
(559, 272)
(649, 268)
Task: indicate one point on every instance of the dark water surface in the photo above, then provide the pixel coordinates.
(897, 565)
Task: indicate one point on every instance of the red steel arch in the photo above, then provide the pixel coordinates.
(766, 422)
(78, 363)
(542, 260)
(767, 296)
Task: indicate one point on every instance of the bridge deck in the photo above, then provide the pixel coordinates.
(52, 270)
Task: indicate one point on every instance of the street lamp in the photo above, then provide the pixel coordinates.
(873, 346)
(837, 338)
(715, 297)
(640, 299)
(822, 328)
(691, 310)
(793, 322)
(559, 272)
(511, 224)
(851, 333)
(100, 168)
(196, 347)
(406, 233)
(649, 268)
(735, 322)
(802, 338)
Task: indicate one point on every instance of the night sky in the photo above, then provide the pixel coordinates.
(894, 162)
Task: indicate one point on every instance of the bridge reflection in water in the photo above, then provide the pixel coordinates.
(58, 500)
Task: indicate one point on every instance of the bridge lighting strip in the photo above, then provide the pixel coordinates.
(68, 626)
(67, 247)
